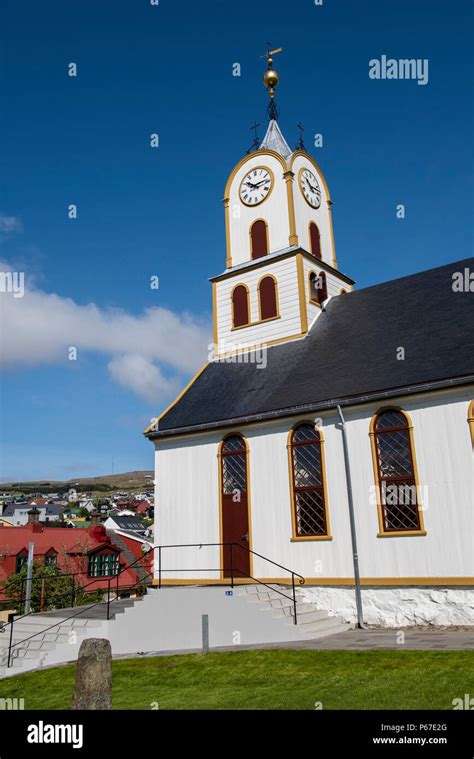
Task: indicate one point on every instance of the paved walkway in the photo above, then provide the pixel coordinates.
(353, 640)
(427, 640)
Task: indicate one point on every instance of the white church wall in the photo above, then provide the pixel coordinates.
(241, 217)
(287, 325)
(187, 506)
(188, 499)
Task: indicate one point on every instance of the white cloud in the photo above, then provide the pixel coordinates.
(10, 224)
(142, 376)
(148, 352)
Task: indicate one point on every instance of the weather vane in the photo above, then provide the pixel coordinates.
(270, 80)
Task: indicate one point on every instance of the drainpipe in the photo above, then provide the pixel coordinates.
(355, 557)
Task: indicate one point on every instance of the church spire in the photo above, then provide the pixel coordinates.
(273, 139)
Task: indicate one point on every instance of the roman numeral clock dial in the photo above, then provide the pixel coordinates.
(310, 188)
(256, 186)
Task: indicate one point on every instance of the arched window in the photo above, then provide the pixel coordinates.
(240, 306)
(395, 473)
(258, 239)
(315, 239)
(318, 289)
(268, 298)
(308, 487)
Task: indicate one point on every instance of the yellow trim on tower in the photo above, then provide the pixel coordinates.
(250, 157)
(470, 420)
(228, 261)
(289, 177)
(303, 154)
(154, 424)
(259, 346)
(214, 316)
(302, 294)
(249, 508)
(302, 538)
(382, 533)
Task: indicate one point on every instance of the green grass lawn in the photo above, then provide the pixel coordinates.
(271, 679)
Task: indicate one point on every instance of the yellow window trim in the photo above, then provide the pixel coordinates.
(313, 302)
(249, 507)
(396, 534)
(294, 536)
(255, 324)
(267, 236)
(277, 299)
(240, 284)
(302, 293)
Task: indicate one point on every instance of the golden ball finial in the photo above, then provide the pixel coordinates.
(270, 80)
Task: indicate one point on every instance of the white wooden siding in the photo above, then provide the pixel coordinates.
(188, 503)
(289, 323)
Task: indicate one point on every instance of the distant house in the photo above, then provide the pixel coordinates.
(17, 513)
(87, 503)
(129, 523)
(90, 554)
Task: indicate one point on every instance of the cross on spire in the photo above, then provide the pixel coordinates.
(300, 145)
(256, 140)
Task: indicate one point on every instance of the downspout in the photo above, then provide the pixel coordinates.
(355, 556)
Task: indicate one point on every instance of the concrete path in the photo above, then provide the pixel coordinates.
(352, 640)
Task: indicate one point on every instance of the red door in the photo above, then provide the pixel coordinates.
(235, 518)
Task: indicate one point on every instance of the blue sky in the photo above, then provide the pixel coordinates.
(145, 212)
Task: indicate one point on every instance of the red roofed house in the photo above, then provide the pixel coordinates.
(89, 552)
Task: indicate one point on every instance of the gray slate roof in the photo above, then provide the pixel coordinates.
(128, 523)
(350, 353)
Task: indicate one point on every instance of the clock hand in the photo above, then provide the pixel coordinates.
(262, 182)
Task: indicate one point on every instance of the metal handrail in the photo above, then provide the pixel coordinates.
(86, 607)
(292, 598)
(115, 578)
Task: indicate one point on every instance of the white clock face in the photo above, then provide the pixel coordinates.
(256, 186)
(310, 188)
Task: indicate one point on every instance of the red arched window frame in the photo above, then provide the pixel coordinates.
(240, 306)
(315, 239)
(395, 473)
(318, 288)
(308, 483)
(268, 298)
(258, 239)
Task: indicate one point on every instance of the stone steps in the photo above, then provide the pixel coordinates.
(38, 635)
(278, 601)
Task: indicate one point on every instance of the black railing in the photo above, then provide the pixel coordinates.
(115, 579)
(141, 583)
(232, 569)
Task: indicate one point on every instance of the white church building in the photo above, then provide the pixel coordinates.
(331, 431)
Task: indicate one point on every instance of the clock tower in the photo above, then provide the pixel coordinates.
(281, 265)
